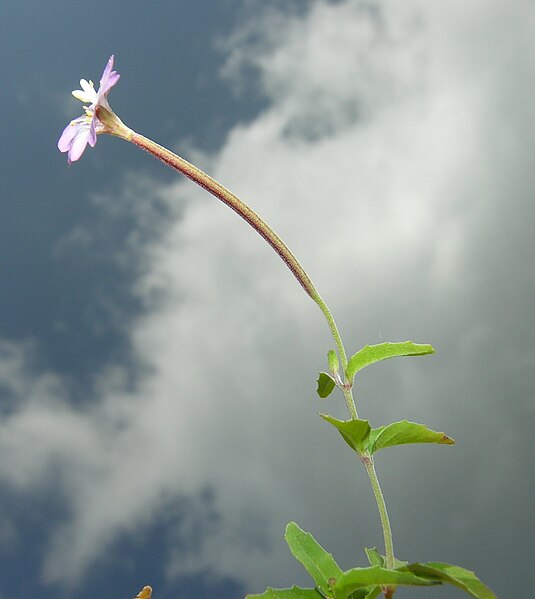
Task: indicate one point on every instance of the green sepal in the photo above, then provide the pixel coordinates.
(325, 385)
(454, 575)
(355, 432)
(383, 351)
(316, 561)
(359, 578)
(403, 433)
(293, 593)
(332, 359)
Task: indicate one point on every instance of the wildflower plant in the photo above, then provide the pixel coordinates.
(385, 572)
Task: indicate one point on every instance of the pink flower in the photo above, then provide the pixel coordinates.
(84, 129)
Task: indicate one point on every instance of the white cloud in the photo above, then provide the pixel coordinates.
(372, 160)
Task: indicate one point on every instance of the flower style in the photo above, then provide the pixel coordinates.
(84, 129)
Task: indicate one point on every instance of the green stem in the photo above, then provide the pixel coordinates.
(350, 402)
(367, 460)
(336, 335)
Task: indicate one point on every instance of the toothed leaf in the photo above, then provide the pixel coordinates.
(454, 575)
(383, 351)
(405, 432)
(293, 593)
(354, 432)
(359, 578)
(316, 561)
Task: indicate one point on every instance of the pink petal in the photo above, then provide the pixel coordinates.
(78, 146)
(69, 133)
(109, 77)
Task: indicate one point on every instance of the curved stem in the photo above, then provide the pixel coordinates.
(248, 214)
(334, 330)
(116, 127)
(233, 202)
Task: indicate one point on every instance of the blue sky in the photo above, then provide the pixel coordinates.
(158, 415)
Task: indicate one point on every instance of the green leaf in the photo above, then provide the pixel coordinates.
(366, 593)
(355, 432)
(404, 432)
(333, 361)
(317, 562)
(383, 351)
(399, 563)
(358, 578)
(293, 593)
(325, 385)
(374, 433)
(454, 575)
(374, 557)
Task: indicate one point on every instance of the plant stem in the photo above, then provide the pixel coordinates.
(367, 460)
(350, 402)
(250, 216)
(116, 127)
(233, 202)
(336, 336)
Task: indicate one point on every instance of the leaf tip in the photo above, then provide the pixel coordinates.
(290, 526)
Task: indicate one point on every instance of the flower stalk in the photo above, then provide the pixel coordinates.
(100, 118)
(233, 202)
(250, 216)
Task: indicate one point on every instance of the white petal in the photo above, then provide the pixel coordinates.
(87, 86)
(87, 93)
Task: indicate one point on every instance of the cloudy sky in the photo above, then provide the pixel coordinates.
(158, 362)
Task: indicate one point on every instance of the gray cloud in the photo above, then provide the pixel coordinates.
(393, 156)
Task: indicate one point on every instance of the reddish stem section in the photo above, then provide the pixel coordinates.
(233, 202)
